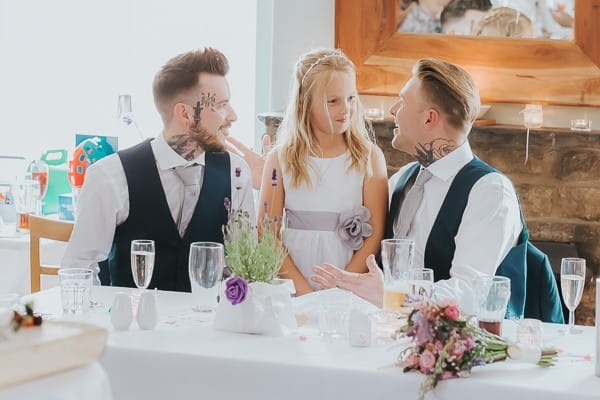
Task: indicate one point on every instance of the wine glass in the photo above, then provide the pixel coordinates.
(572, 280)
(142, 262)
(206, 263)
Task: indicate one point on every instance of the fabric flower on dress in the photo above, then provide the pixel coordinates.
(353, 226)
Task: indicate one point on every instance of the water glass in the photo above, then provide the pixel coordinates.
(493, 294)
(142, 262)
(572, 281)
(75, 289)
(206, 263)
(420, 284)
(334, 312)
(396, 257)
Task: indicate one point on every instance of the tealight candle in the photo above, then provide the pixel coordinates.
(581, 125)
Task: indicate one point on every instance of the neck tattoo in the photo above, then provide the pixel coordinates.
(428, 153)
(184, 145)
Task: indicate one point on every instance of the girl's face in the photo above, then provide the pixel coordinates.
(332, 108)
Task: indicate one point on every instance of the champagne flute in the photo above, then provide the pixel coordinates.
(206, 263)
(572, 281)
(142, 262)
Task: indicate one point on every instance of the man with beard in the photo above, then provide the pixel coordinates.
(170, 189)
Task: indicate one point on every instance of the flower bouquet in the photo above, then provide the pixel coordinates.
(447, 345)
(254, 300)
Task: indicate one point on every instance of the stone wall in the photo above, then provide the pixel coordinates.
(559, 186)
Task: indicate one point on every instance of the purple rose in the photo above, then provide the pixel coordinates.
(236, 290)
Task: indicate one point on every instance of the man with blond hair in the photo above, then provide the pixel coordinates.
(171, 189)
(463, 215)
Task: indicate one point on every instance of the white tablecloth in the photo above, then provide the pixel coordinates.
(14, 261)
(185, 358)
(86, 383)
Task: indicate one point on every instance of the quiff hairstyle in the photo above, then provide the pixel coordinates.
(451, 89)
(180, 75)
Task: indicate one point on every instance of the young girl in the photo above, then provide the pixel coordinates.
(325, 173)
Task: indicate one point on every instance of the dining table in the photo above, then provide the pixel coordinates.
(185, 357)
(89, 382)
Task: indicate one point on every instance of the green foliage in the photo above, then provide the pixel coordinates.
(248, 257)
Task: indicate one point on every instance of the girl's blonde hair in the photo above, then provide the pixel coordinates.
(295, 139)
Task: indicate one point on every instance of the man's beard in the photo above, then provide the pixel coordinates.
(206, 140)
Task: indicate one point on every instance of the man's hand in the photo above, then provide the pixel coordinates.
(369, 285)
(255, 161)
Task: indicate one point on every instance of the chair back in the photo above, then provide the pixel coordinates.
(40, 227)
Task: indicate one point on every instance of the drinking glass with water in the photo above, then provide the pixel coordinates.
(142, 262)
(75, 289)
(205, 267)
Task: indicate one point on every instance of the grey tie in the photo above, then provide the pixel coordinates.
(410, 205)
(191, 178)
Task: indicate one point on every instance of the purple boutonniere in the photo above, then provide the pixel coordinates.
(236, 290)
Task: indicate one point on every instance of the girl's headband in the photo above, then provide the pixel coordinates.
(317, 62)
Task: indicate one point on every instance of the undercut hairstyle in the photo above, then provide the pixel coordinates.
(180, 75)
(451, 89)
(458, 8)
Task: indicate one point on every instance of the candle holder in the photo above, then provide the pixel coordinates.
(533, 116)
(582, 125)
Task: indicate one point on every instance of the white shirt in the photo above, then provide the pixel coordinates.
(490, 225)
(103, 203)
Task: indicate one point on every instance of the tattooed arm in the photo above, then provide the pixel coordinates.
(428, 153)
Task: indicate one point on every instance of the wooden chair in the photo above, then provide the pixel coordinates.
(40, 227)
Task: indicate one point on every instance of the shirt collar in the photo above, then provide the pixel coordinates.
(449, 165)
(167, 158)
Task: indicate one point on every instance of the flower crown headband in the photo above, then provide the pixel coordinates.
(317, 62)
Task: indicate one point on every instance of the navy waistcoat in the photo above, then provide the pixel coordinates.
(150, 218)
(440, 247)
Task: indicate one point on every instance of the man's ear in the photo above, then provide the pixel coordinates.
(180, 114)
(432, 118)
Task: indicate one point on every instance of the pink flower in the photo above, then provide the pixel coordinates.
(439, 346)
(452, 313)
(470, 342)
(427, 362)
(458, 350)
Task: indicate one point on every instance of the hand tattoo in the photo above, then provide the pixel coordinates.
(206, 100)
(428, 153)
(184, 145)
